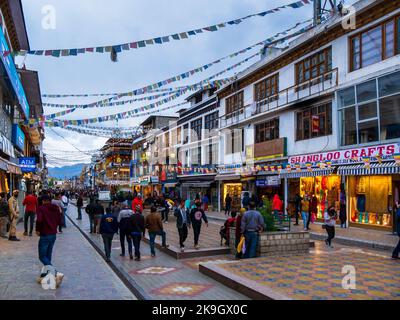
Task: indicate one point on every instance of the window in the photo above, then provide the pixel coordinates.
(179, 135)
(267, 131)
(234, 141)
(370, 111)
(195, 130)
(186, 133)
(267, 88)
(234, 105)
(166, 138)
(314, 66)
(314, 122)
(211, 124)
(196, 156)
(375, 44)
(212, 153)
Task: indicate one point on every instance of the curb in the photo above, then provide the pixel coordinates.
(132, 286)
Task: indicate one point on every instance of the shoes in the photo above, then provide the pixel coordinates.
(13, 239)
(153, 255)
(131, 257)
(108, 260)
(166, 246)
(296, 224)
(30, 234)
(25, 233)
(122, 255)
(196, 246)
(137, 259)
(4, 237)
(182, 249)
(166, 222)
(395, 258)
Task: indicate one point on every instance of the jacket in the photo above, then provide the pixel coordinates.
(48, 219)
(153, 222)
(4, 210)
(13, 207)
(136, 224)
(246, 201)
(108, 224)
(124, 219)
(90, 209)
(196, 215)
(98, 210)
(179, 219)
(137, 202)
(31, 203)
(79, 202)
(277, 203)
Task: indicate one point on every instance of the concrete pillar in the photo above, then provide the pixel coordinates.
(286, 193)
(219, 195)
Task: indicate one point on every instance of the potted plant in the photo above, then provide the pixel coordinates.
(266, 212)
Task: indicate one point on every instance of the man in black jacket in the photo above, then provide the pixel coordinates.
(4, 214)
(90, 211)
(98, 214)
(79, 205)
(182, 223)
(137, 229)
(196, 216)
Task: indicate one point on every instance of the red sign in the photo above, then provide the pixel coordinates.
(315, 124)
(348, 155)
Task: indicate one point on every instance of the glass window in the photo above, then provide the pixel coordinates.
(267, 131)
(371, 42)
(390, 117)
(389, 84)
(356, 61)
(368, 131)
(347, 97)
(389, 39)
(366, 91)
(314, 122)
(367, 111)
(314, 66)
(349, 126)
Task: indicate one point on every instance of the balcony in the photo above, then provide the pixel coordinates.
(305, 90)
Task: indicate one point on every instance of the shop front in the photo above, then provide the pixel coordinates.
(198, 185)
(269, 185)
(230, 183)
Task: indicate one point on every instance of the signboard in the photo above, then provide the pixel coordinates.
(27, 164)
(104, 196)
(18, 137)
(12, 73)
(6, 146)
(272, 181)
(154, 179)
(347, 156)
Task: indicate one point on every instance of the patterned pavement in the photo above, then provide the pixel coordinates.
(319, 275)
(164, 277)
(87, 276)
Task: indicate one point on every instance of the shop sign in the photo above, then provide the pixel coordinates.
(18, 137)
(154, 179)
(268, 181)
(383, 152)
(27, 164)
(6, 146)
(144, 180)
(12, 73)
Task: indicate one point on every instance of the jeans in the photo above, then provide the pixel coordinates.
(227, 209)
(153, 236)
(164, 214)
(3, 226)
(79, 213)
(107, 240)
(45, 247)
(331, 233)
(136, 238)
(251, 241)
(63, 218)
(183, 233)
(297, 212)
(29, 216)
(396, 250)
(196, 233)
(122, 236)
(304, 216)
(92, 223)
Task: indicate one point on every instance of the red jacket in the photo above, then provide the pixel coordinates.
(31, 203)
(137, 202)
(48, 219)
(277, 203)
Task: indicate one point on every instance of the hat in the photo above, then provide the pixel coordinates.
(15, 191)
(243, 210)
(125, 204)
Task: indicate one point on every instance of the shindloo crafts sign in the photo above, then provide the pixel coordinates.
(383, 152)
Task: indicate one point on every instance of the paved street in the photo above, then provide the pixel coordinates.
(87, 276)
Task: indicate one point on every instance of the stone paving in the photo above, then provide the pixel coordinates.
(163, 277)
(317, 276)
(87, 276)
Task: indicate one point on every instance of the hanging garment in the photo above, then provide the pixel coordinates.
(361, 202)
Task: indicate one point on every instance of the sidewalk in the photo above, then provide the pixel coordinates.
(366, 238)
(87, 276)
(162, 277)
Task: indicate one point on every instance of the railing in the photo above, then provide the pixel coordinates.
(315, 86)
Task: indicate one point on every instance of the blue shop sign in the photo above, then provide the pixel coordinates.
(18, 137)
(27, 164)
(12, 73)
(272, 181)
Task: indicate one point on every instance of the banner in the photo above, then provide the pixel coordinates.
(115, 49)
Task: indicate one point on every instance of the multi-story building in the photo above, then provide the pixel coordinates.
(322, 118)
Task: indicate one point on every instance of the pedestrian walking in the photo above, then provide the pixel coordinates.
(4, 215)
(31, 205)
(342, 212)
(108, 227)
(246, 201)
(228, 204)
(98, 211)
(65, 203)
(196, 216)
(164, 209)
(49, 217)
(182, 223)
(305, 208)
(116, 208)
(312, 210)
(251, 224)
(155, 228)
(396, 251)
(277, 204)
(90, 211)
(58, 202)
(297, 205)
(124, 229)
(137, 229)
(137, 204)
(329, 224)
(14, 215)
(79, 205)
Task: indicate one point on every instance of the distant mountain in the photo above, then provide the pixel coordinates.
(66, 171)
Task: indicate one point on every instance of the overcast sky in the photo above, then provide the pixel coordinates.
(89, 23)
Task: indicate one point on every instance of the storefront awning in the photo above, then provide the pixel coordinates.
(304, 173)
(170, 185)
(227, 177)
(376, 168)
(3, 165)
(196, 184)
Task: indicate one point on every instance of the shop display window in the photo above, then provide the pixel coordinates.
(326, 190)
(370, 199)
(235, 191)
